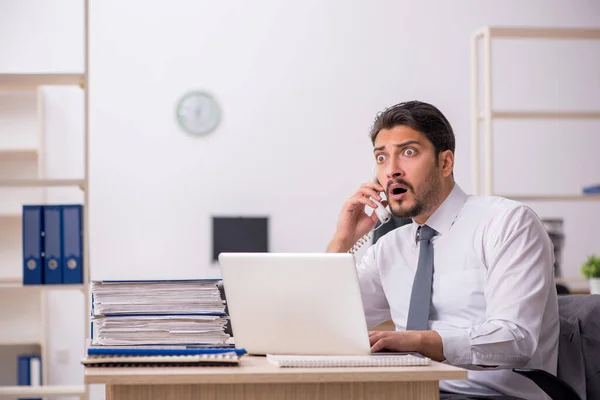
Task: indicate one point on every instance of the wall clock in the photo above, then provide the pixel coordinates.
(198, 113)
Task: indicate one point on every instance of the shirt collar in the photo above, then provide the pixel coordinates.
(443, 218)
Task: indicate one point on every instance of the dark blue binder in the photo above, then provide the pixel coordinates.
(53, 260)
(592, 189)
(24, 372)
(32, 245)
(164, 351)
(23, 376)
(72, 228)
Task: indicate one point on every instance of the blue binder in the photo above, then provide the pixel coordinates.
(72, 242)
(592, 189)
(32, 245)
(162, 351)
(23, 378)
(53, 260)
(25, 373)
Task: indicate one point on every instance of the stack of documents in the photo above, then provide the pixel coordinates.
(158, 313)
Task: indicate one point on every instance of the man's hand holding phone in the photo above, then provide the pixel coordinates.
(353, 223)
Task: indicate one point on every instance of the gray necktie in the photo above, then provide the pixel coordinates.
(420, 298)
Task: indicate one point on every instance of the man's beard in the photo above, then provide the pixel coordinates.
(424, 201)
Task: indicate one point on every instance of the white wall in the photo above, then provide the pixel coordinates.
(299, 83)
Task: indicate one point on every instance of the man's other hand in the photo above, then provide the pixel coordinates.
(427, 343)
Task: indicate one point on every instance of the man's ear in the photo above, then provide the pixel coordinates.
(446, 161)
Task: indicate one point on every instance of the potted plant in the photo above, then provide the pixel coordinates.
(591, 271)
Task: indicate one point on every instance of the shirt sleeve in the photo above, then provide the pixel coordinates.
(374, 301)
(520, 275)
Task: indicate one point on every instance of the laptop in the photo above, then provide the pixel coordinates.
(295, 303)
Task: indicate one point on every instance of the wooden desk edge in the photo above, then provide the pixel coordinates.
(253, 371)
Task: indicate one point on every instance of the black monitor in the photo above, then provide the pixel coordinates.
(239, 235)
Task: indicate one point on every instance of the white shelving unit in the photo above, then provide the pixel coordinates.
(23, 307)
(485, 36)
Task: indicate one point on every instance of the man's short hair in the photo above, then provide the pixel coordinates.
(420, 116)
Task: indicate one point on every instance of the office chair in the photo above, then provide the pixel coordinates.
(562, 289)
(554, 387)
(578, 355)
(394, 223)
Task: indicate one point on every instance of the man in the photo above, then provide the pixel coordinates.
(470, 282)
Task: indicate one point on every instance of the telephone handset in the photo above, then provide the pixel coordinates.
(382, 214)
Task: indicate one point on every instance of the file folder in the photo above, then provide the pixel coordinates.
(168, 350)
(29, 372)
(72, 243)
(32, 245)
(23, 371)
(53, 260)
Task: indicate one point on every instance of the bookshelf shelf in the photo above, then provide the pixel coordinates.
(19, 342)
(41, 182)
(502, 32)
(9, 281)
(586, 197)
(40, 391)
(31, 81)
(541, 115)
(20, 286)
(33, 151)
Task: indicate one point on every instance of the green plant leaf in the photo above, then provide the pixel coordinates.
(591, 267)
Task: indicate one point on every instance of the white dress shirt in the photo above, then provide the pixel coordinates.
(494, 301)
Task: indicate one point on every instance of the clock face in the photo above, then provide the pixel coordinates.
(198, 113)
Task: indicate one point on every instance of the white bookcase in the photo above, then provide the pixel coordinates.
(487, 113)
(483, 114)
(23, 309)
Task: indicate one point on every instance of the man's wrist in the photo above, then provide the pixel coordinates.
(429, 343)
(338, 245)
(419, 341)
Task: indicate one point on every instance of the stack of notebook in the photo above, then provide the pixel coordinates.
(141, 313)
(373, 360)
(161, 357)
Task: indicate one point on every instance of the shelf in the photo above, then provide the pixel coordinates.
(40, 391)
(41, 182)
(19, 151)
(20, 342)
(543, 115)
(543, 33)
(10, 281)
(32, 81)
(499, 32)
(12, 284)
(582, 197)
